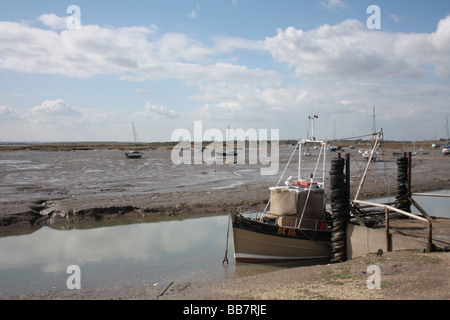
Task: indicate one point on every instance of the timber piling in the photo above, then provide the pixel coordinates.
(339, 209)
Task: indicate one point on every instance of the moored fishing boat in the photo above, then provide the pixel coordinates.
(294, 225)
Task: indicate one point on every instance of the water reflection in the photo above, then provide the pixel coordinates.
(133, 254)
(434, 206)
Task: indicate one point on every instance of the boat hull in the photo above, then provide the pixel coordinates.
(259, 242)
(133, 155)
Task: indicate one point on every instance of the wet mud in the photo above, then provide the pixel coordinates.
(69, 187)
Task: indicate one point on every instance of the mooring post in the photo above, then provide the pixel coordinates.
(339, 210)
(430, 245)
(403, 184)
(409, 174)
(388, 236)
(347, 173)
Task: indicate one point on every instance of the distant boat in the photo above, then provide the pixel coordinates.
(446, 149)
(132, 154)
(227, 153)
(367, 155)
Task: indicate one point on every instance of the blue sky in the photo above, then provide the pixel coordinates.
(244, 63)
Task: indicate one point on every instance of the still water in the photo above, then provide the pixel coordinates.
(434, 206)
(132, 254)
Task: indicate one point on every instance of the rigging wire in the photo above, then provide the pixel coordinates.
(281, 177)
(357, 137)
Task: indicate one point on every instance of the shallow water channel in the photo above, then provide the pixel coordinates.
(145, 253)
(130, 254)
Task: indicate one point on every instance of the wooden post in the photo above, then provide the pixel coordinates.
(409, 173)
(347, 173)
(430, 246)
(388, 237)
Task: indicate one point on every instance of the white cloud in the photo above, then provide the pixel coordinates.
(229, 44)
(340, 72)
(8, 114)
(248, 105)
(347, 49)
(396, 18)
(51, 111)
(156, 112)
(141, 91)
(193, 14)
(130, 53)
(350, 50)
(178, 46)
(53, 21)
(334, 4)
(52, 120)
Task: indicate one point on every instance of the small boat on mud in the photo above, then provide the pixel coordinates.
(446, 149)
(227, 153)
(133, 154)
(368, 154)
(296, 226)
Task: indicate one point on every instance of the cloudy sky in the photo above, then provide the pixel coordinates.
(88, 74)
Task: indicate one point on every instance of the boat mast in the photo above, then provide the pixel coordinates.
(374, 126)
(377, 140)
(312, 118)
(299, 160)
(136, 140)
(312, 138)
(446, 119)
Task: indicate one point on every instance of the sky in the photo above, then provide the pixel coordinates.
(88, 70)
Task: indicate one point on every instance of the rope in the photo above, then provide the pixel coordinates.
(310, 186)
(225, 259)
(281, 177)
(357, 137)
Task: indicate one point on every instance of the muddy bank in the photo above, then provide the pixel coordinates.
(403, 275)
(19, 217)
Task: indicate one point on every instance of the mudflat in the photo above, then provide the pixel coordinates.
(65, 187)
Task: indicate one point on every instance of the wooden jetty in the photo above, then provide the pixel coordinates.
(376, 227)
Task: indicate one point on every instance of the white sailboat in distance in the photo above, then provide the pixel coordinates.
(133, 154)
